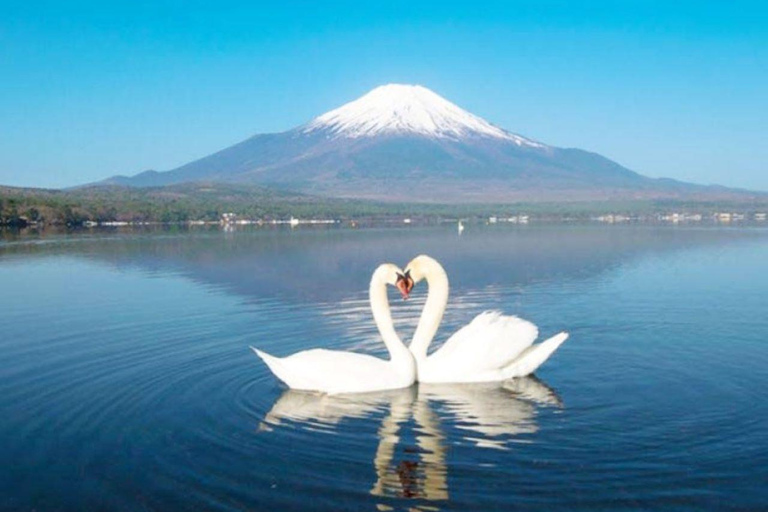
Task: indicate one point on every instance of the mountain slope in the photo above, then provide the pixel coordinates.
(406, 143)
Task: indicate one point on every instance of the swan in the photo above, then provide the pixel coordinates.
(335, 371)
(492, 347)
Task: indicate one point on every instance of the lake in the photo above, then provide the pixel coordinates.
(127, 382)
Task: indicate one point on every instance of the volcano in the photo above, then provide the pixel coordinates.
(407, 143)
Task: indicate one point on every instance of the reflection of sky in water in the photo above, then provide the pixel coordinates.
(320, 265)
(125, 363)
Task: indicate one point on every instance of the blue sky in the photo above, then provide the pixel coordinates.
(92, 89)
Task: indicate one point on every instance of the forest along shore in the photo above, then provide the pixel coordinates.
(204, 203)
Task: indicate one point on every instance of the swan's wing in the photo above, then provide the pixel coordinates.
(332, 371)
(487, 343)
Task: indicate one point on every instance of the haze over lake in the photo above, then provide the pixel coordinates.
(127, 382)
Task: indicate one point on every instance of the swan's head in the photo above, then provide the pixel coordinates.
(404, 283)
(418, 268)
(394, 276)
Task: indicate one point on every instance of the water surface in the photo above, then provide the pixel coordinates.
(127, 382)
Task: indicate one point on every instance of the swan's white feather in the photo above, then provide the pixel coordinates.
(334, 371)
(533, 357)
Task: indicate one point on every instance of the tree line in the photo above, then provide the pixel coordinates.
(208, 202)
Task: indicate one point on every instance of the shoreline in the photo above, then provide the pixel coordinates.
(725, 219)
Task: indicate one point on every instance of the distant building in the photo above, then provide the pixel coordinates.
(723, 217)
(612, 218)
(681, 217)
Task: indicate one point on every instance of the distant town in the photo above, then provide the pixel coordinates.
(229, 221)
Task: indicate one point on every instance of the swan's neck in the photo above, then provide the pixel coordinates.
(399, 353)
(432, 315)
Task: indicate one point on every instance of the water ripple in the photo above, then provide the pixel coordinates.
(127, 387)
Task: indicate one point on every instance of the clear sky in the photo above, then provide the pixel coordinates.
(666, 88)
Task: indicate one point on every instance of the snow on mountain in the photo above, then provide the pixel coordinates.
(397, 109)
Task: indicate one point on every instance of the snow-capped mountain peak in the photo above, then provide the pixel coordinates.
(396, 109)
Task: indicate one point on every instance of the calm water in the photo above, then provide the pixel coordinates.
(127, 383)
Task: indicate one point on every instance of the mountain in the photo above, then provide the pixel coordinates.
(406, 143)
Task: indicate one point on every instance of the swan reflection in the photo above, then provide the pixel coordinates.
(320, 410)
(488, 415)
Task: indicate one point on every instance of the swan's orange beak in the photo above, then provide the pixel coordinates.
(404, 283)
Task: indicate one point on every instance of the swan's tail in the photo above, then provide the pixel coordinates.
(261, 354)
(273, 363)
(533, 357)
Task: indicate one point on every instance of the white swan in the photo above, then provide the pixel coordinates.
(335, 371)
(492, 347)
